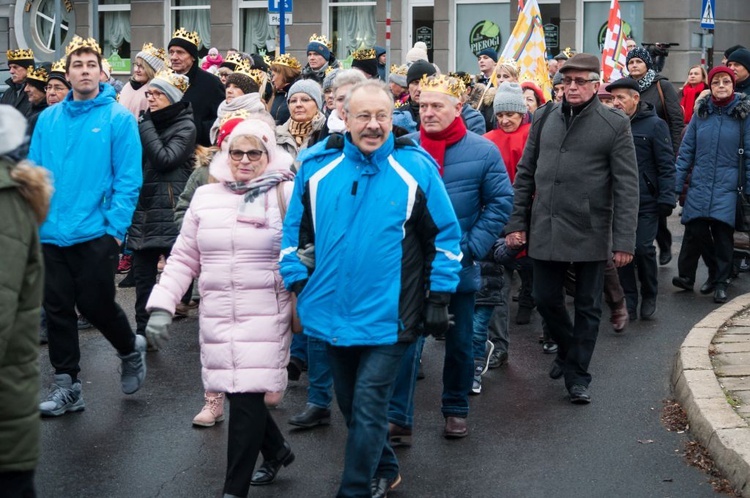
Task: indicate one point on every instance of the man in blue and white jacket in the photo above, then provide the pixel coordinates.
(91, 147)
(371, 247)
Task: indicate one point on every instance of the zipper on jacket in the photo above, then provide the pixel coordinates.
(171, 195)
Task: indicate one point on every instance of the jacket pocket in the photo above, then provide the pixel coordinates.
(650, 186)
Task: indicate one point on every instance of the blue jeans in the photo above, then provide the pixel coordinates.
(458, 366)
(319, 374)
(363, 380)
(299, 347)
(482, 315)
(401, 407)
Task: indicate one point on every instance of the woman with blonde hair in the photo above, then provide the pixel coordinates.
(285, 70)
(148, 62)
(695, 83)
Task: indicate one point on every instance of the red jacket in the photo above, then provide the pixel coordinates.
(511, 146)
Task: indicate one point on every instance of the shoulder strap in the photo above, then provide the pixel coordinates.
(741, 152)
(281, 200)
(663, 103)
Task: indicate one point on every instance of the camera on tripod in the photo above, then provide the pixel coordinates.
(659, 53)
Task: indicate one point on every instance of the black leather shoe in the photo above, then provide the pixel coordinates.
(665, 257)
(556, 371)
(381, 485)
(648, 308)
(708, 286)
(720, 294)
(683, 283)
(294, 368)
(266, 474)
(312, 416)
(579, 395)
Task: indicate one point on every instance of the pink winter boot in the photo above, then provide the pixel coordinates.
(212, 412)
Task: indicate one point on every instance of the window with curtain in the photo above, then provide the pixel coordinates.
(254, 29)
(114, 28)
(193, 15)
(352, 26)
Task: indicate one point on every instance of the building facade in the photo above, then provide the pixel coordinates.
(453, 30)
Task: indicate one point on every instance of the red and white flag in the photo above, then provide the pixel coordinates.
(614, 54)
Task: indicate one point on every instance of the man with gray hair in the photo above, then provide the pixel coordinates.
(382, 230)
(581, 175)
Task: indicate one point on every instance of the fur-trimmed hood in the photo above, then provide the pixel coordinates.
(739, 108)
(31, 181)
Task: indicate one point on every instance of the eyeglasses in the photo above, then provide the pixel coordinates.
(138, 65)
(724, 82)
(300, 100)
(577, 81)
(55, 88)
(381, 117)
(153, 94)
(253, 154)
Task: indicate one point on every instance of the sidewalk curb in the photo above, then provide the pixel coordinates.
(713, 422)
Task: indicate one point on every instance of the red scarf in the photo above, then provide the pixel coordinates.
(689, 94)
(436, 143)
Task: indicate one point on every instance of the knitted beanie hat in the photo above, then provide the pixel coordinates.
(399, 79)
(260, 130)
(722, 69)
(489, 52)
(328, 80)
(149, 57)
(557, 79)
(243, 82)
(419, 69)
(642, 54)
(416, 53)
(12, 128)
(319, 48)
(308, 87)
(740, 56)
(172, 84)
(509, 98)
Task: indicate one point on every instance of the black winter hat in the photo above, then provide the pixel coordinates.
(189, 47)
(418, 69)
(626, 82)
(367, 66)
(740, 56)
(731, 49)
(243, 82)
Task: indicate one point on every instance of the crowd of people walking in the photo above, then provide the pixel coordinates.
(325, 220)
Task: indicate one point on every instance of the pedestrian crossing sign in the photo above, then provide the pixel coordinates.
(708, 13)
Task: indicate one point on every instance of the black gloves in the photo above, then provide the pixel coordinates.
(437, 321)
(665, 210)
(298, 287)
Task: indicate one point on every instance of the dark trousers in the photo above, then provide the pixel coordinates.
(82, 275)
(18, 484)
(711, 239)
(575, 339)
(252, 430)
(526, 272)
(145, 263)
(663, 235)
(363, 379)
(644, 262)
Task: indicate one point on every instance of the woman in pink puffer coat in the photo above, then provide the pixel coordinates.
(230, 239)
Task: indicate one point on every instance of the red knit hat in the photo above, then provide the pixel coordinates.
(528, 85)
(721, 69)
(226, 129)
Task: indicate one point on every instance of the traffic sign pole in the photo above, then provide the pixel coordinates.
(282, 31)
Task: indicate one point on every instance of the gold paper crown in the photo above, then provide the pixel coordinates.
(400, 70)
(465, 78)
(178, 81)
(507, 61)
(321, 39)
(443, 84)
(78, 43)
(156, 52)
(235, 58)
(38, 74)
(20, 54)
(569, 52)
(184, 34)
(284, 60)
(256, 75)
(364, 54)
(58, 67)
(238, 114)
(329, 70)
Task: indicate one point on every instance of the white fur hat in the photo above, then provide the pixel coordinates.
(12, 129)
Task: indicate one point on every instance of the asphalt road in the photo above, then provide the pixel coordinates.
(526, 439)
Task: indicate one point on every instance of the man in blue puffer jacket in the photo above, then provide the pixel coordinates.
(482, 196)
(91, 146)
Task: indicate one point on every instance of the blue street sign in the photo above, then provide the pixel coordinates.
(273, 5)
(708, 14)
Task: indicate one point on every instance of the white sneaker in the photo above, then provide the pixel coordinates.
(134, 367)
(64, 396)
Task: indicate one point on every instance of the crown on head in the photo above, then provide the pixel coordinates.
(38, 74)
(321, 39)
(364, 54)
(78, 43)
(442, 84)
(156, 52)
(176, 80)
(58, 67)
(284, 60)
(256, 75)
(465, 78)
(238, 114)
(20, 54)
(191, 36)
(235, 58)
(507, 61)
(400, 70)
(569, 52)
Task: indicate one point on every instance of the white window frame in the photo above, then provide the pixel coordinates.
(169, 8)
(113, 7)
(239, 6)
(326, 14)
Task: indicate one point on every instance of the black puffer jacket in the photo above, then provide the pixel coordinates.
(673, 113)
(205, 93)
(653, 148)
(168, 137)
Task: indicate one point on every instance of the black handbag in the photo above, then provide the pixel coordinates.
(742, 212)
